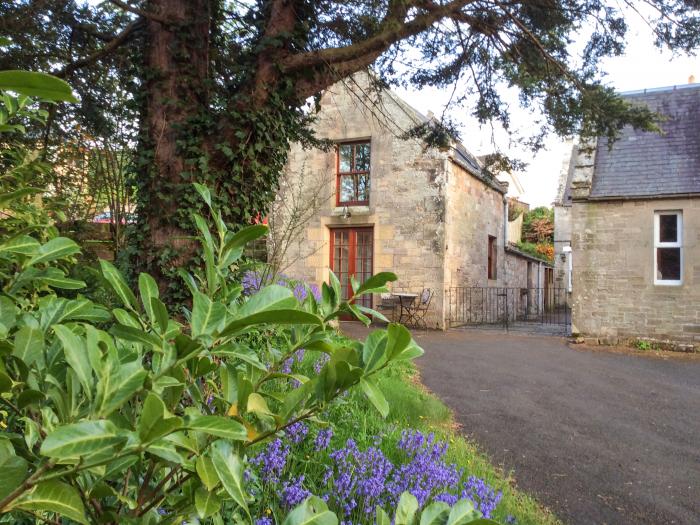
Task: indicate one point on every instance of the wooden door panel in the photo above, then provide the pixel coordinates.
(352, 254)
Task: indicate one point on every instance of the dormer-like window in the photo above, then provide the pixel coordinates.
(353, 166)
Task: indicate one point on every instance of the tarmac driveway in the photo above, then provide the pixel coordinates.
(599, 437)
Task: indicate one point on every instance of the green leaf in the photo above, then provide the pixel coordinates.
(5, 382)
(75, 352)
(8, 312)
(21, 245)
(153, 423)
(374, 351)
(35, 84)
(136, 335)
(411, 352)
(435, 514)
(203, 192)
(207, 315)
(257, 405)
(82, 439)
(229, 468)
(206, 502)
(207, 472)
(11, 196)
(406, 509)
(463, 512)
(376, 283)
(160, 312)
(381, 517)
(13, 468)
(271, 317)
(54, 496)
(56, 248)
(313, 511)
(119, 387)
(55, 278)
(233, 249)
(217, 426)
(148, 289)
(398, 338)
(29, 344)
(375, 395)
(118, 284)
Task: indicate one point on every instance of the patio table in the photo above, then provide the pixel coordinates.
(405, 301)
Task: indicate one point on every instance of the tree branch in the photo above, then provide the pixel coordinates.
(118, 41)
(394, 29)
(137, 11)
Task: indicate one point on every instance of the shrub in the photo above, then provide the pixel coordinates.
(131, 414)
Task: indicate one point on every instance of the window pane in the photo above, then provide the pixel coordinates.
(362, 157)
(363, 187)
(347, 188)
(668, 228)
(345, 158)
(668, 264)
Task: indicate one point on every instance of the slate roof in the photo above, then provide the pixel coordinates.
(643, 164)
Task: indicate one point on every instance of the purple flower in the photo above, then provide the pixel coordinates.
(484, 497)
(287, 366)
(297, 432)
(323, 439)
(271, 461)
(293, 493)
(264, 521)
(510, 520)
(300, 292)
(315, 291)
(251, 282)
(321, 362)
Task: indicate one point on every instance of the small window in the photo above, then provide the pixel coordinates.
(668, 248)
(492, 257)
(353, 174)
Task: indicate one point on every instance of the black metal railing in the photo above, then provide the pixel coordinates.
(508, 306)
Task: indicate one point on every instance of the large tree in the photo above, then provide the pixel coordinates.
(218, 87)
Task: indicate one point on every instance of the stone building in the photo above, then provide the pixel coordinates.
(378, 201)
(633, 219)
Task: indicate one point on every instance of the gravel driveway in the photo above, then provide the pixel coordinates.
(599, 437)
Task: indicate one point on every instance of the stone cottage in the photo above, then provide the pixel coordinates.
(632, 215)
(379, 201)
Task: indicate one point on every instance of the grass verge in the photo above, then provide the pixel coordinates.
(412, 406)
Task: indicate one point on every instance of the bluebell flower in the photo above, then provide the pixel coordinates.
(293, 493)
(323, 439)
(297, 432)
(272, 461)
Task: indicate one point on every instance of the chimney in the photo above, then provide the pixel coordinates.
(691, 79)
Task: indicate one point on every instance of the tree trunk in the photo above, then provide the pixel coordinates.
(176, 64)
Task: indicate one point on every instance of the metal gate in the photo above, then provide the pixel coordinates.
(542, 309)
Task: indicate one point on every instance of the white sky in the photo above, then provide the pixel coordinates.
(642, 66)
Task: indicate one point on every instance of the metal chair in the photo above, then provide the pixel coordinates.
(417, 311)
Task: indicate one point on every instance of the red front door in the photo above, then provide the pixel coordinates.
(352, 254)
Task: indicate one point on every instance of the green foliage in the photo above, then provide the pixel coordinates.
(538, 225)
(114, 423)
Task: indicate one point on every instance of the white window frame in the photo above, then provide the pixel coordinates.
(659, 244)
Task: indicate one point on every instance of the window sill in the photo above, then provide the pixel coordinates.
(668, 283)
(354, 210)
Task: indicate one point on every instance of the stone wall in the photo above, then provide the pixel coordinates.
(613, 290)
(406, 206)
(475, 211)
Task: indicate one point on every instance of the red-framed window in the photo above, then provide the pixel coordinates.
(352, 169)
(352, 254)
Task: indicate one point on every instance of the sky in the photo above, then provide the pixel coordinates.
(642, 66)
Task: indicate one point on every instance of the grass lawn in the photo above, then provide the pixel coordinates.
(413, 407)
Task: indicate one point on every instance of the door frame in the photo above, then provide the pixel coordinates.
(352, 247)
